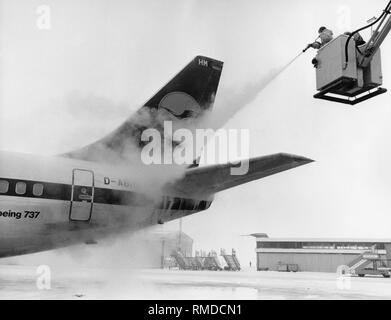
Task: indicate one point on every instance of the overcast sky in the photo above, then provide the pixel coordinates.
(67, 86)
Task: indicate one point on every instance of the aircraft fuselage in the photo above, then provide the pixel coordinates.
(50, 202)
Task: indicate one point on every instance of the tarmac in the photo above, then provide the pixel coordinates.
(25, 282)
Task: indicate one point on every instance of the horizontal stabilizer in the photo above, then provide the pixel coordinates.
(205, 181)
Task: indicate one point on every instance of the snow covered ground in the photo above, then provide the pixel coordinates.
(20, 282)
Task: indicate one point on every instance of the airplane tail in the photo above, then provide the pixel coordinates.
(191, 91)
(183, 100)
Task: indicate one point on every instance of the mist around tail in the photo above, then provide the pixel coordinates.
(151, 179)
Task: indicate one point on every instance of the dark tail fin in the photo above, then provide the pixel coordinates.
(182, 100)
(191, 91)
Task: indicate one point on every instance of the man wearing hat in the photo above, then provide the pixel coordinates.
(325, 36)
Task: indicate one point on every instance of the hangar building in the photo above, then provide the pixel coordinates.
(318, 255)
(160, 246)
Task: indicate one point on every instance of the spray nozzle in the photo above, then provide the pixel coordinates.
(309, 45)
(306, 48)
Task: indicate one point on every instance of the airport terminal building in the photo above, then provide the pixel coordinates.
(317, 255)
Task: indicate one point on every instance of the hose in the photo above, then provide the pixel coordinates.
(385, 12)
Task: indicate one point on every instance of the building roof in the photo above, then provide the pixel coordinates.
(259, 235)
(373, 240)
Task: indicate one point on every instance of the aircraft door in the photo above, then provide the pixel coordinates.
(82, 197)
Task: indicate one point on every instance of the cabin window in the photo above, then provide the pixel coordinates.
(202, 205)
(20, 188)
(177, 204)
(4, 185)
(38, 189)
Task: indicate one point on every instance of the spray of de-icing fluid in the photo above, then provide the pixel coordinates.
(282, 69)
(235, 100)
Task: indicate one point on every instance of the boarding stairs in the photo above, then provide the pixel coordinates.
(211, 262)
(235, 258)
(199, 262)
(192, 263)
(362, 261)
(181, 260)
(231, 260)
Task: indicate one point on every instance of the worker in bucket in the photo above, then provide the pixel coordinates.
(325, 35)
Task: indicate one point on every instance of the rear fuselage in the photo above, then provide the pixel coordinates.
(50, 202)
